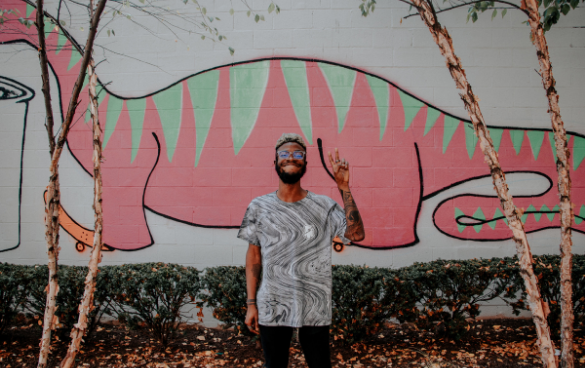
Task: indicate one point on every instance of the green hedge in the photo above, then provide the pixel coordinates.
(441, 296)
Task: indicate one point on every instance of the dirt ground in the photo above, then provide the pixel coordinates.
(490, 343)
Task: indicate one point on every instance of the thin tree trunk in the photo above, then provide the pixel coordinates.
(564, 181)
(52, 203)
(53, 189)
(538, 308)
(86, 305)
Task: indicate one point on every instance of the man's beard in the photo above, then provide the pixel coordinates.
(290, 178)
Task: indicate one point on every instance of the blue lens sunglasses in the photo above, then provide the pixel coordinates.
(297, 155)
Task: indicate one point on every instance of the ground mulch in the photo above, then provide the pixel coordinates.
(490, 343)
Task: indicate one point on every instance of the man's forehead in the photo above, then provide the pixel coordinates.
(291, 146)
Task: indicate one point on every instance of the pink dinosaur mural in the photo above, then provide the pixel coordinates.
(199, 150)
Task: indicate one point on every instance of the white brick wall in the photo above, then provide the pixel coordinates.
(497, 55)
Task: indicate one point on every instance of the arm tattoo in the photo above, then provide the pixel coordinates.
(256, 269)
(355, 225)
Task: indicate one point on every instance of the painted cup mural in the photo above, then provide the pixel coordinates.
(200, 149)
(14, 98)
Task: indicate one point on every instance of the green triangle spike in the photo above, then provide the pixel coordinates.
(432, 117)
(136, 110)
(458, 213)
(499, 215)
(101, 94)
(61, 41)
(450, 126)
(578, 151)
(480, 216)
(470, 139)
(203, 91)
(75, 57)
(169, 104)
(297, 84)
(517, 137)
(493, 223)
(341, 82)
(49, 27)
(524, 218)
(535, 212)
(496, 136)
(579, 219)
(411, 107)
(551, 139)
(381, 93)
(536, 137)
(555, 210)
(112, 115)
(29, 10)
(247, 86)
(544, 209)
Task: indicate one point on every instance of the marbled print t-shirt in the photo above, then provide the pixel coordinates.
(295, 240)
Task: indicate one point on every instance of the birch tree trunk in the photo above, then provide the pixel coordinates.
(564, 181)
(52, 203)
(539, 309)
(86, 305)
(56, 148)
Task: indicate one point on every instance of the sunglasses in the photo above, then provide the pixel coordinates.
(297, 155)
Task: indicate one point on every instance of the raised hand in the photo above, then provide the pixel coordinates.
(340, 170)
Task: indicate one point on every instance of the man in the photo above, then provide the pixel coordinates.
(290, 233)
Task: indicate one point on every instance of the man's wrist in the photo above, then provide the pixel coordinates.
(343, 187)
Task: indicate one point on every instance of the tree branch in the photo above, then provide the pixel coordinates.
(469, 4)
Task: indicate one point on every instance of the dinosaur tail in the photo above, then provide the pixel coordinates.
(474, 217)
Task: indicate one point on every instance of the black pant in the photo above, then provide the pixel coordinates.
(314, 341)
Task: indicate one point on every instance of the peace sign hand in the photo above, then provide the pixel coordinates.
(340, 170)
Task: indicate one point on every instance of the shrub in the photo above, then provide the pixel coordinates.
(71, 287)
(546, 268)
(441, 296)
(12, 294)
(450, 292)
(399, 295)
(225, 291)
(152, 295)
(356, 298)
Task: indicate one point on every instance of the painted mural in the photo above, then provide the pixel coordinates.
(14, 99)
(200, 149)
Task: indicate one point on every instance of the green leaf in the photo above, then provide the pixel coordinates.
(108, 33)
(277, 9)
(248, 12)
(220, 37)
(231, 51)
(565, 9)
(270, 8)
(232, 11)
(63, 23)
(494, 13)
(113, 32)
(547, 3)
(257, 18)
(262, 17)
(574, 3)
(203, 37)
(468, 15)
(204, 11)
(474, 17)
(504, 12)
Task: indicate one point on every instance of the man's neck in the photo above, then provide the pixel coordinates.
(291, 192)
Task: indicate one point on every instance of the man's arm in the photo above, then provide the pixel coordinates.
(355, 226)
(253, 269)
